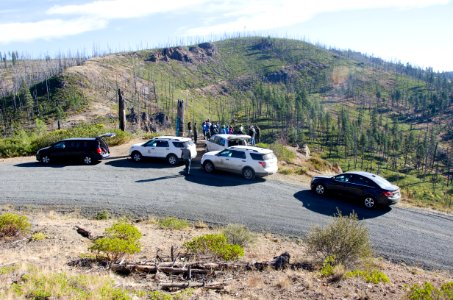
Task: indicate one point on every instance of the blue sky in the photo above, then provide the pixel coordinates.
(414, 31)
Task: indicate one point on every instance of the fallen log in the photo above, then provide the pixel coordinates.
(191, 284)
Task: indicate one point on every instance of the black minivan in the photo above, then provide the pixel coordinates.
(86, 150)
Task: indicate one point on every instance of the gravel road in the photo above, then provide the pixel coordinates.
(414, 236)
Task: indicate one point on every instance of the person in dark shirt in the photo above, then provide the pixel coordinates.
(187, 158)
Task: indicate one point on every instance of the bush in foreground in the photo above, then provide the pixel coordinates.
(238, 234)
(13, 225)
(173, 223)
(120, 239)
(345, 239)
(428, 291)
(215, 244)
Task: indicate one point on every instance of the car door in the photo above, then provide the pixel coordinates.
(341, 184)
(149, 148)
(162, 148)
(58, 151)
(237, 161)
(223, 159)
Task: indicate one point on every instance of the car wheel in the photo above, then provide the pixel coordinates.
(320, 189)
(87, 160)
(208, 167)
(172, 159)
(248, 173)
(45, 159)
(136, 156)
(369, 202)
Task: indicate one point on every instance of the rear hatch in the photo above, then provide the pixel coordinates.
(266, 161)
(105, 150)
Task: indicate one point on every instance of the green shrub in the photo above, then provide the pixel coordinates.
(428, 291)
(181, 295)
(102, 215)
(282, 153)
(173, 223)
(285, 171)
(13, 225)
(320, 164)
(370, 276)
(328, 266)
(38, 236)
(215, 244)
(238, 234)
(120, 239)
(346, 239)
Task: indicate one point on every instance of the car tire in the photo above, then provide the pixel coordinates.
(45, 159)
(136, 156)
(369, 202)
(320, 189)
(208, 167)
(248, 173)
(172, 159)
(87, 160)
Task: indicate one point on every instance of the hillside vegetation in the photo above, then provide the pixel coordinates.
(357, 111)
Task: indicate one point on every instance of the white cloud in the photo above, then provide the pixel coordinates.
(253, 15)
(123, 9)
(47, 29)
(221, 16)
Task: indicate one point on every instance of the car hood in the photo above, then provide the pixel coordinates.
(212, 153)
(138, 145)
(44, 149)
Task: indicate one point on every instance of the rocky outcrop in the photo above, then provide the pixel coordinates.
(192, 54)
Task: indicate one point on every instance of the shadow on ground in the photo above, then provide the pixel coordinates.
(218, 179)
(37, 164)
(330, 206)
(145, 164)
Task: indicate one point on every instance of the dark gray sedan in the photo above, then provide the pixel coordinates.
(370, 189)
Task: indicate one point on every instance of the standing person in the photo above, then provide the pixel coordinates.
(252, 134)
(203, 129)
(257, 134)
(230, 129)
(186, 156)
(241, 129)
(189, 129)
(195, 133)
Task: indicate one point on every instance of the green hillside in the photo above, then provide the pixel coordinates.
(355, 110)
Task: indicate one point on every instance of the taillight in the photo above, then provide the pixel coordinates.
(262, 163)
(99, 150)
(387, 194)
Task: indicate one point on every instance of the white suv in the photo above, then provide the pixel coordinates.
(246, 160)
(223, 141)
(165, 147)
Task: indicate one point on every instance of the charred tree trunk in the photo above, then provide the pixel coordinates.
(180, 118)
(121, 110)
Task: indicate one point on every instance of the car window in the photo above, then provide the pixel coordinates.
(365, 181)
(382, 182)
(178, 144)
(238, 154)
(162, 144)
(60, 145)
(151, 143)
(343, 177)
(257, 156)
(225, 153)
(219, 141)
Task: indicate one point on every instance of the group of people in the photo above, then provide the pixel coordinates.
(210, 128)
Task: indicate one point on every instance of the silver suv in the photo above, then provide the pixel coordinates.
(164, 147)
(246, 160)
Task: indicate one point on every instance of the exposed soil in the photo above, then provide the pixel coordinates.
(63, 245)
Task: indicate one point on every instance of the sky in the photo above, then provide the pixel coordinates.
(418, 32)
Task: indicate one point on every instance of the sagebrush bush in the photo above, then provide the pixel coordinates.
(120, 239)
(173, 223)
(13, 225)
(238, 234)
(370, 276)
(215, 244)
(428, 291)
(102, 215)
(346, 239)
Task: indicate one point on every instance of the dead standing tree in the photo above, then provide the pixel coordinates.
(122, 110)
(180, 118)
